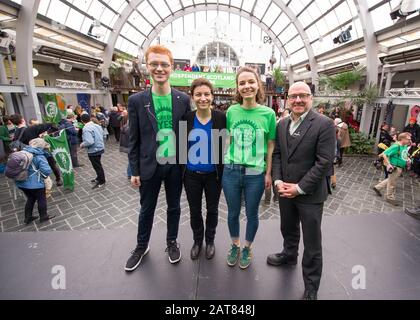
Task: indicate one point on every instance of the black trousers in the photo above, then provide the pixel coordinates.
(117, 133)
(292, 213)
(73, 154)
(97, 166)
(34, 195)
(149, 193)
(195, 184)
(54, 168)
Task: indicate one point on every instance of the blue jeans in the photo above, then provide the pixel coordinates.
(128, 169)
(237, 180)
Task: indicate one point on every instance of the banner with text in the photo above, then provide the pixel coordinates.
(218, 80)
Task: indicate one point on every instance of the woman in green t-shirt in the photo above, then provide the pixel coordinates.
(252, 132)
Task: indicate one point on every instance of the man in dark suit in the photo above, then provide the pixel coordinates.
(154, 117)
(302, 159)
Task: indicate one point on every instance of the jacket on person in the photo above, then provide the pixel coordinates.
(32, 132)
(414, 130)
(218, 123)
(307, 159)
(42, 170)
(345, 141)
(113, 119)
(71, 131)
(93, 138)
(144, 128)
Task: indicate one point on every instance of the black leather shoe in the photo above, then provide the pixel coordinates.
(195, 250)
(28, 221)
(310, 295)
(279, 259)
(46, 218)
(210, 250)
(415, 212)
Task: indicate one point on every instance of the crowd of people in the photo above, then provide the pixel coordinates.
(245, 150)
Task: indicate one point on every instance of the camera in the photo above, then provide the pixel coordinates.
(390, 169)
(378, 163)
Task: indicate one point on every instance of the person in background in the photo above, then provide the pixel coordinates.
(10, 126)
(93, 141)
(115, 123)
(195, 68)
(343, 137)
(414, 129)
(396, 159)
(71, 132)
(26, 134)
(34, 186)
(124, 139)
(33, 122)
(4, 135)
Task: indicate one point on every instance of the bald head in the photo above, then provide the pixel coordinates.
(299, 98)
(301, 87)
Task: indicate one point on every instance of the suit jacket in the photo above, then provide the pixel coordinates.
(310, 157)
(143, 129)
(219, 123)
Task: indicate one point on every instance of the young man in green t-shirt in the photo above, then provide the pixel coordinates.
(396, 159)
(154, 117)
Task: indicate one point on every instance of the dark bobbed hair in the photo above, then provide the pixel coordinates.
(201, 82)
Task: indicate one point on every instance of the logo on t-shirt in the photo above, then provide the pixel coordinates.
(244, 133)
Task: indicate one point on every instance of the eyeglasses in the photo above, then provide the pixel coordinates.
(156, 65)
(302, 96)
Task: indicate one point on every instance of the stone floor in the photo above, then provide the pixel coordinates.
(117, 205)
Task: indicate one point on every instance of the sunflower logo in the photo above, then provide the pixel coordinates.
(244, 133)
(51, 109)
(63, 160)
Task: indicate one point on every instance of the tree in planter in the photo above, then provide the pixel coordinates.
(368, 95)
(341, 81)
(279, 78)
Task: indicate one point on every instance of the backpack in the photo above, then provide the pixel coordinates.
(17, 145)
(18, 164)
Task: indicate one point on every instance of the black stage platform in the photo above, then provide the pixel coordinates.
(387, 246)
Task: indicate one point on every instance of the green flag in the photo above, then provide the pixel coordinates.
(61, 153)
(51, 108)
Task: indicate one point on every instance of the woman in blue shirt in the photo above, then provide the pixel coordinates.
(204, 168)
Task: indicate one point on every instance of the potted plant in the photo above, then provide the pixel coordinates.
(278, 80)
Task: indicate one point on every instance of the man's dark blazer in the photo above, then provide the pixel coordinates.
(143, 130)
(219, 122)
(309, 159)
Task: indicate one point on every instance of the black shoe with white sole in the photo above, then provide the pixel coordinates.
(173, 251)
(136, 256)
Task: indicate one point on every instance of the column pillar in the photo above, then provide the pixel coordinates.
(24, 41)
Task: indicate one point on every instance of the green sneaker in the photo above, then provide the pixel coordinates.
(245, 259)
(233, 255)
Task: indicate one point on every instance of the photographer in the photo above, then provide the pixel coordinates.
(396, 159)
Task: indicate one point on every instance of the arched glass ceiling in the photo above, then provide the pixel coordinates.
(322, 20)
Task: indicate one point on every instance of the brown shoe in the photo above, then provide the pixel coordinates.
(377, 191)
(393, 202)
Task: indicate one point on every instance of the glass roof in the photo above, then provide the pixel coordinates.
(321, 20)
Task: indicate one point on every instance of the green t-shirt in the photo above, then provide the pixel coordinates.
(163, 109)
(397, 155)
(250, 130)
